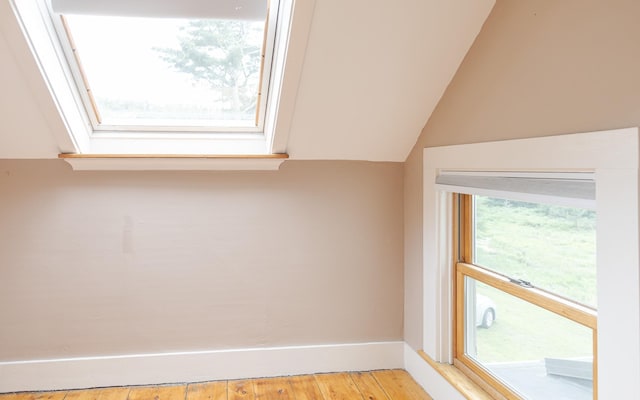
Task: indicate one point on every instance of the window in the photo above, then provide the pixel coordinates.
(129, 80)
(525, 284)
(612, 159)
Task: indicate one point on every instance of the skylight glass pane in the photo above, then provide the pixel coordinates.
(165, 72)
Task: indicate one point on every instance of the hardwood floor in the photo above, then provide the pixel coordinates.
(375, 385)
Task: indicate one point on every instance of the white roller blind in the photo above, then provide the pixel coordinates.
(194, 9)
(570, 189)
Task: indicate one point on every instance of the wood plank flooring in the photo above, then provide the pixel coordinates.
(375, 385)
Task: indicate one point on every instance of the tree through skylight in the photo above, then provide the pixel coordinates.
(171, 72)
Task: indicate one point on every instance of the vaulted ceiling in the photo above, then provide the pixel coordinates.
(373, 73)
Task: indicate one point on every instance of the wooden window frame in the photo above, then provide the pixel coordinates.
(463, 240)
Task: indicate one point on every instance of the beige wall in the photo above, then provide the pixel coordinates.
(537, 68)
(101, 263)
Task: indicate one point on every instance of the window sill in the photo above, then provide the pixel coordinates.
(173, 162)
(461, 382)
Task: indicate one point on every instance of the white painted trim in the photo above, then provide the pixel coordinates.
(430, 380)
(290, 50)
(47, 53)
(614, 157)
(175, 164)
(87, 372)
(579, 152)
(444, 286)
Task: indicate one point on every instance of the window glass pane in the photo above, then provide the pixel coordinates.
(552, 247)
(534, 351)
(170, 72)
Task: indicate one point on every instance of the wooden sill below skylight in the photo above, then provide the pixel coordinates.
(174, 162)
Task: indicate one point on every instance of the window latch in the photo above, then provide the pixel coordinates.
(521, 282)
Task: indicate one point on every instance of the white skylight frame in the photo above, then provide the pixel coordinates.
(288, 54)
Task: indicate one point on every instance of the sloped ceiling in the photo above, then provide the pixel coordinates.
(374, 71)
(24, 131)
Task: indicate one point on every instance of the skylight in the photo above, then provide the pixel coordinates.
(167, 78)
(163, 73)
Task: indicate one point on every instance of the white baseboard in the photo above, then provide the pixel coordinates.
(432, 382)
(144, 369)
